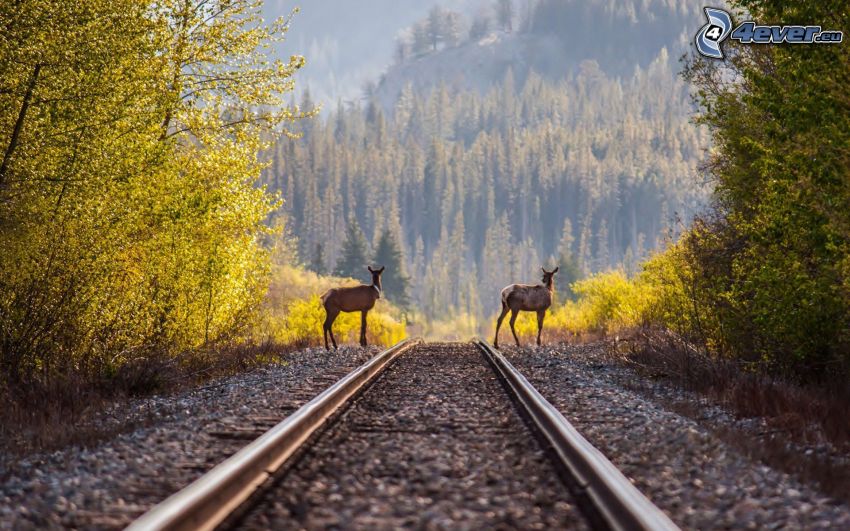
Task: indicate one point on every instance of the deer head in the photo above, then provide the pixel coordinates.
(376, 277)
(548, 275)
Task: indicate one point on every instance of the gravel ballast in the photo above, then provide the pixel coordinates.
(434, 443)
(108, 485)
(701, 482)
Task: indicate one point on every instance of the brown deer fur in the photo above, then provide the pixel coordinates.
(354, 299)
(527, 298)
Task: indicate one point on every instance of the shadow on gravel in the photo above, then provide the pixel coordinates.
(803, 430)
(84, 409)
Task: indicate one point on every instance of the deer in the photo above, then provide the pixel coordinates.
(351, 299)
(527, 298)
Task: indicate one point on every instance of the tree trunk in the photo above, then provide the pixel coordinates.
(19, 124)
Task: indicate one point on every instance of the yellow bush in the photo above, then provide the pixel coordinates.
(302, 324)
(295, 314)
(455, 327)
(668, 276)
(610, 302)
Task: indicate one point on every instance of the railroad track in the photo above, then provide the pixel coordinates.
(422, 434)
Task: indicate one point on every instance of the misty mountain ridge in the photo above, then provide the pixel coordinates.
(492, 148)
(554, 39)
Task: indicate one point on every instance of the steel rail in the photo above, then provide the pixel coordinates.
(209, 500)
(618, 503)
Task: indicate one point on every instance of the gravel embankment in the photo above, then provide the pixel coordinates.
(434, 444)
(106, 486)
(701, 482)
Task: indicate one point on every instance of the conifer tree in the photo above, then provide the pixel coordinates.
(451, 29)
(411, 164)
(505, 14)
(603, 259)
(355, 253)
(569, 270)
(420, 38)
(435, 27)
(317, 261)
(480, 27)
(395, 281)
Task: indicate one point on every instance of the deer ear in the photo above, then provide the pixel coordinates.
(382, 269)
(370, 269)
(544, 270)
(555, 270)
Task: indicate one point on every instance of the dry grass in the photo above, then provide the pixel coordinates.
(811, 412)
(795, 418)
(42, 417)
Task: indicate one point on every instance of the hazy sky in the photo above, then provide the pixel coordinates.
(348, 42)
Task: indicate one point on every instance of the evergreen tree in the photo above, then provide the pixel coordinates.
(569, 271)
(603, 259)
(495, 263)
(402, 50)
(317, 261)
(355, 253)
(505, 14)
(420, 38)
(480, 27)
(395, 281)
(584, 256)
(451, 29)
(435, 26)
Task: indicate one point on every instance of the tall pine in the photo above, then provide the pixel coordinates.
(395, 280)
(355, 253)
(317, 261)
(568, 267)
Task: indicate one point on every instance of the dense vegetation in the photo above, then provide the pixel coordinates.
(479, 190)
(130, 223)
(770, 267)
(136, 216)
(764, 276)
(633, 31)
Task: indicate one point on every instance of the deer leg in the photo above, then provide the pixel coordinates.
(540, 315)
(499, 324)
(363, 327)
(514, 314)
(329, 323)
(331, 333)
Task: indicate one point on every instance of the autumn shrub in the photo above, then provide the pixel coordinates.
(457, 326)
(769, 261)
(605, 303)
(661, 294)
(131, 226)
(294, 313)
(301, 323)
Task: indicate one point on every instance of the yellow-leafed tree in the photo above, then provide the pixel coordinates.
(130, 223)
